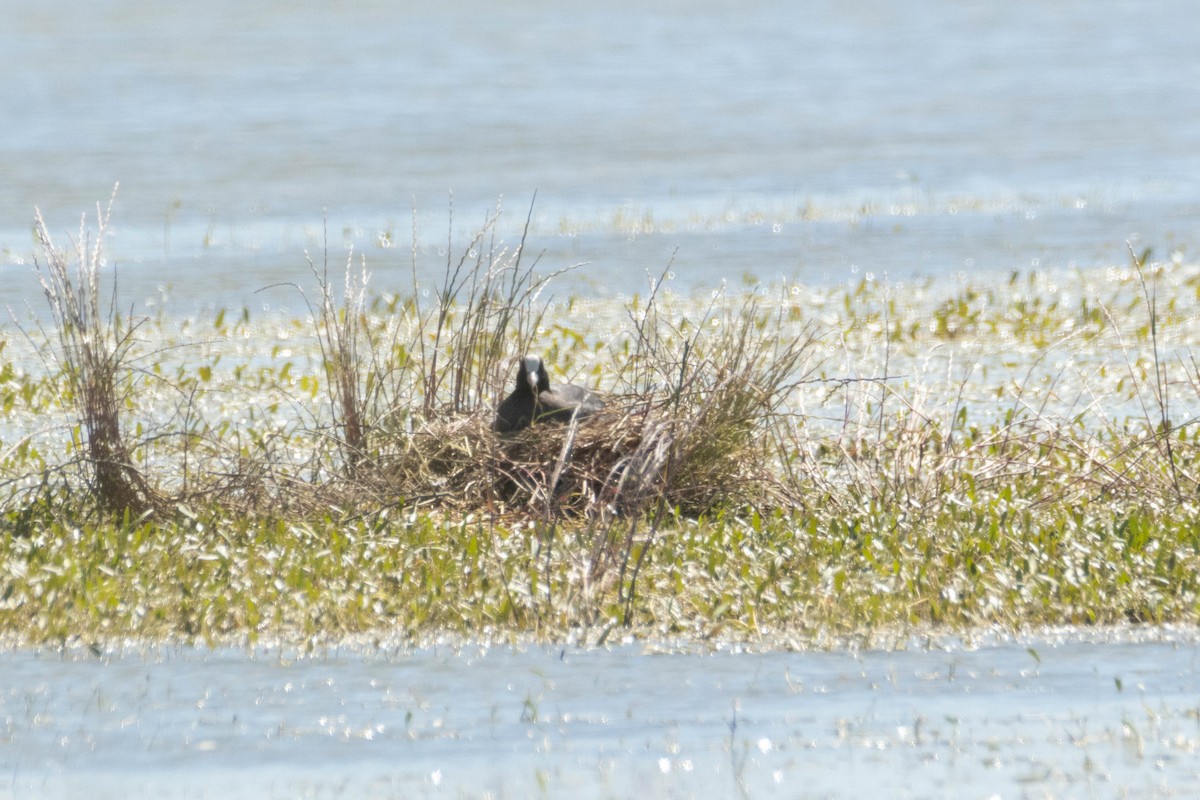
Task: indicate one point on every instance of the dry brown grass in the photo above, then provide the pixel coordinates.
(697, 415)
(692, 421)
(700, 425)
(93, 356)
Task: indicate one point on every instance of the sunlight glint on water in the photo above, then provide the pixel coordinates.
(775, 141)
(810, 143)
(1069, 717)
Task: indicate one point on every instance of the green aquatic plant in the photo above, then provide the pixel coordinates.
(803, 465)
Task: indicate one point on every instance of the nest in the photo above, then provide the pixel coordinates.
(627, 458)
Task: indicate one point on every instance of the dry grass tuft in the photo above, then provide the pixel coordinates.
(94, 354)
(706, 429)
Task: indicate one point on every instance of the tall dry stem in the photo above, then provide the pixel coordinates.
(487, 300)
(339, 328)
(95, 345)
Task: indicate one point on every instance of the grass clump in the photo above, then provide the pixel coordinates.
(94, 346)
(795, 465)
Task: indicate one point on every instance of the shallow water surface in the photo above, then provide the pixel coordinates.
(818, 142)
(772, 139)
(1039, 718)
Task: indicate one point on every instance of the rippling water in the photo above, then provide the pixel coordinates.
(812, 141)
(1040, 718)
(778, 139)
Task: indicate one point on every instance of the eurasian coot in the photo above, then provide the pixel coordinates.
(534, 401)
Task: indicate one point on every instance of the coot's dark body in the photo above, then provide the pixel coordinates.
(533, 400)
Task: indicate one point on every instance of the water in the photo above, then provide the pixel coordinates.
(1047, 717)
(773, 140)
(812, 142)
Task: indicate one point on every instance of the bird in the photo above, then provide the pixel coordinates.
(533, 400)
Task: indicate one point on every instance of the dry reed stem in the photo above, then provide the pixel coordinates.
(94, 353)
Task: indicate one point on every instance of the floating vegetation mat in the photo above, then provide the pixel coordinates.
(777, 462)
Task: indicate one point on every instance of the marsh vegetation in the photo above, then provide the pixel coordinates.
(806, 464)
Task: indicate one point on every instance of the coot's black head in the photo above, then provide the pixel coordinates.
(532, 373)
(533, 400)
